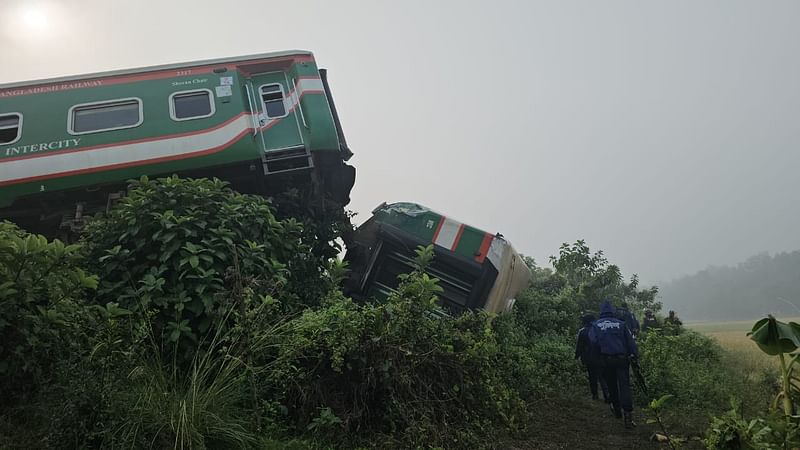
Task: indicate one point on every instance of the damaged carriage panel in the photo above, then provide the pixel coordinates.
(476, 269)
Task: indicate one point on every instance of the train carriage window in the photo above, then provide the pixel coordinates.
(105, 116)
(272, 97)
(188, 105)
(10, 128)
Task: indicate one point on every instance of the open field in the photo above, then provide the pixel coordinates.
(732, 336)
(750, 363)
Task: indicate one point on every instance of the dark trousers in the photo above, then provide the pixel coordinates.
(596, 376)
(616, 372)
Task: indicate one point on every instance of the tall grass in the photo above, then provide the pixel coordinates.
(206, 406)
(754, 371)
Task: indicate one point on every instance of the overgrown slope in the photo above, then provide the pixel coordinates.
(192, 317)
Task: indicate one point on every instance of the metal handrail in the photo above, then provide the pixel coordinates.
(253, 112)
(299, 106)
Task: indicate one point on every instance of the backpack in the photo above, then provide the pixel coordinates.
(608, 336)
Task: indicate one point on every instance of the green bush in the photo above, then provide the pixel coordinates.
(41, 284)
(398, 373)
(58, 354)
(539, 312)
(539, 365)
(688, 366)
(182, 249)
(731, 431)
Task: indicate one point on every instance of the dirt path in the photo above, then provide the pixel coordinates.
(579, 424)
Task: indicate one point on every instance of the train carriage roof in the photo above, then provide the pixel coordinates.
(114, 73)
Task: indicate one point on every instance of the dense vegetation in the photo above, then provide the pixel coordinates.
(192, 316)
(779, 426)
(762, 284)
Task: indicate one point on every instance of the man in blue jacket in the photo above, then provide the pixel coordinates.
(613, 341)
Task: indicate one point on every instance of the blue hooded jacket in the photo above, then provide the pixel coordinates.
(609, 335)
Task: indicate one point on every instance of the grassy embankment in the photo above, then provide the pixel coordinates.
(742, 353)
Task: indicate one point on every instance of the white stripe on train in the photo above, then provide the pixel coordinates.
(50, 166)
(448, 234)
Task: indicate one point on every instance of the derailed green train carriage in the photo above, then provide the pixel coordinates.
(264, 123)
(476, 269)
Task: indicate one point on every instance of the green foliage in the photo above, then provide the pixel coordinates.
(57, 353)
(178, 247)
(656, 408)
(536, 364)
(191, 262)
(291, 444)
(778, 430)
(732, 431)
(774, 337)
(657, 404)
(41, 283)
(206, 408)
(579, 266)
(728, 432)
(687, 366)
(540, 312)
(593, 280)
(399, 369)
(222, 327)
(323, 223)
(778, 338)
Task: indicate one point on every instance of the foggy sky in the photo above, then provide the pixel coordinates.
(665, 133)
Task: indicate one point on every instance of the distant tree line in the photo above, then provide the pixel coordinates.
(762, 284)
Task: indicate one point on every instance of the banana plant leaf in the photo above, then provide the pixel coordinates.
(774, 337)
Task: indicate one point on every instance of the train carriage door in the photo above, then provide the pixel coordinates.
(279, 128)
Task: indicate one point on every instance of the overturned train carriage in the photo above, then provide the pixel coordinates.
(264, 123)
(476, 269)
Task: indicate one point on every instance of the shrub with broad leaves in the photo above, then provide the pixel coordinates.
(184, 248)
(41, 284)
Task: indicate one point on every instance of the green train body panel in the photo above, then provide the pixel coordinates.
(476, 269)
(434, 228)
(49, 158)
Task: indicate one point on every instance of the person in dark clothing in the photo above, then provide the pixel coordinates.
(672, 319)
(649, 321)
(625, 315)
(590, 359)
(614, 342)
(673, 324)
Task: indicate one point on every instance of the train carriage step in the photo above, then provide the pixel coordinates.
(298, 158)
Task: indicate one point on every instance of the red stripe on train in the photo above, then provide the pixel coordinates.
(484, 249)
